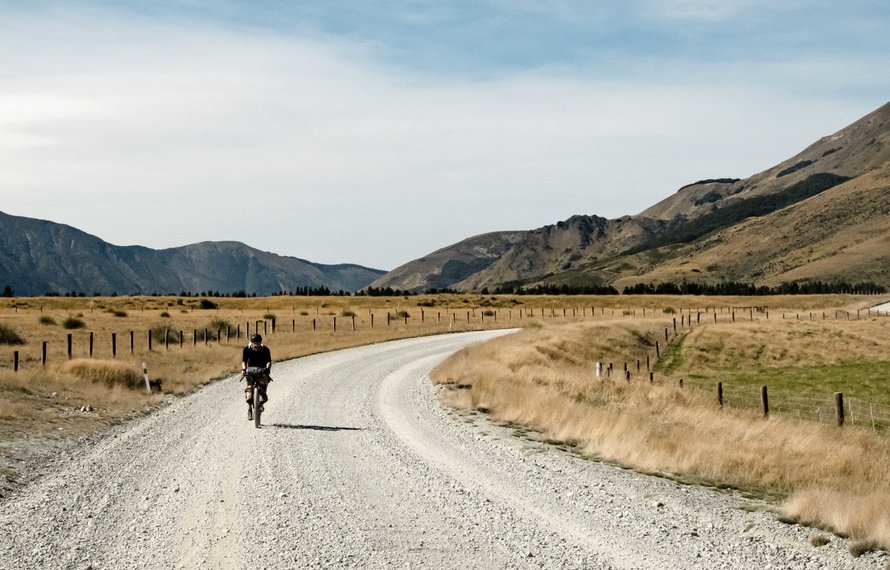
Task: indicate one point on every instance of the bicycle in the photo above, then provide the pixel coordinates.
(256, 379)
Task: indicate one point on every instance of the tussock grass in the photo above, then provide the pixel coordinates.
(545, 379)
(108, 372)
(46, 320)
(72, 323)
(10, 336)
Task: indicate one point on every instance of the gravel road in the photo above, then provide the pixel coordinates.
(358, 465)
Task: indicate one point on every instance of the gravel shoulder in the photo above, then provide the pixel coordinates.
(358, 465)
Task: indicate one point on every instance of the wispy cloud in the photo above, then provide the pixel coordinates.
(164, 131)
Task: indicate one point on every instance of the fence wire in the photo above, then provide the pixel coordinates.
(858, 413)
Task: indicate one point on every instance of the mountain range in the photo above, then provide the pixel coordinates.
(39, 257)
(821, 215)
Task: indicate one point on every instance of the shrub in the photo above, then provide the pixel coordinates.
(46, 320)
(270, 316)
(73, 323)
(348, 313)
(304, 313)
(399, 315)
(165, 315)
(217, 324)
(488, 313)
(119, 313)
(109, 373)
(159, 332)
(208, 304)
(9, 335)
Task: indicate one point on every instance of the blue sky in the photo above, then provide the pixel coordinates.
(376, 132)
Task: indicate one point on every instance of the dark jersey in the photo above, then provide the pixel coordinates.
(260, 357)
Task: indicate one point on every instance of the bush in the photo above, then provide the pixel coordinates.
(9, 335)
(119, 313)
(208, 304)
(73, 323)
(270, 316)
(165, 315)
(348, 313)
(488, 313)
(159, 332)
(400, 315)
(217, 324)
(46, 320)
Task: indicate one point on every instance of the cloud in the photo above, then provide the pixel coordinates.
(161, 134)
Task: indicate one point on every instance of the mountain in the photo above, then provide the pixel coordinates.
(447, 266)
(39, 257)
(819, 215)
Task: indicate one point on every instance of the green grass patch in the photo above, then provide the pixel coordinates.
(671, 357)
(864, 380)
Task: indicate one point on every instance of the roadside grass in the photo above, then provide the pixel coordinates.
(544, 379)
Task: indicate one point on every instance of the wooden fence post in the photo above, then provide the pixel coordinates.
(313, 325)
(335, 324)
(113, 345)
(353, 322)
(91, 344)
(167, 339)
(132, 342)
(720, 393)
(15, 361)
(764, 400)
(43, 354)
(839, 404)
(195, 337)
(657, 350)
(149, 341)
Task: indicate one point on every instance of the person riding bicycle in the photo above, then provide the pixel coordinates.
(256, 354)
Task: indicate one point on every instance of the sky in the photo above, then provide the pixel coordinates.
(374, 132)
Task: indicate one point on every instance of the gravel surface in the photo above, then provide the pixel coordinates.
(358, 465)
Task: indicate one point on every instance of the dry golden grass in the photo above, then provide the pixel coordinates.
(545, 379)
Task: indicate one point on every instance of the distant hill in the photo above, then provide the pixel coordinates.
(445, 267)
(820, 215)
(39, 257)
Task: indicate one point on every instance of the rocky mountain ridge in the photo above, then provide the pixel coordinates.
(39, 257)
(590, 250)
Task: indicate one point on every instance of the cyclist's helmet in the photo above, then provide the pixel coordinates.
(256, 338)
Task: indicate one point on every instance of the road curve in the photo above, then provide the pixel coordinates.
(357, 465)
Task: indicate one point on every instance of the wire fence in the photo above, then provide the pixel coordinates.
(828, 409)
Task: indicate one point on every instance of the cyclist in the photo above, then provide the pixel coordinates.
(256, 354)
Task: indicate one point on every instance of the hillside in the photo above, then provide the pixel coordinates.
(39, 257)
(704, 232)
(443, 268)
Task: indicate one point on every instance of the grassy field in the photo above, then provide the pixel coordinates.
(68, 398)
(835, 478)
